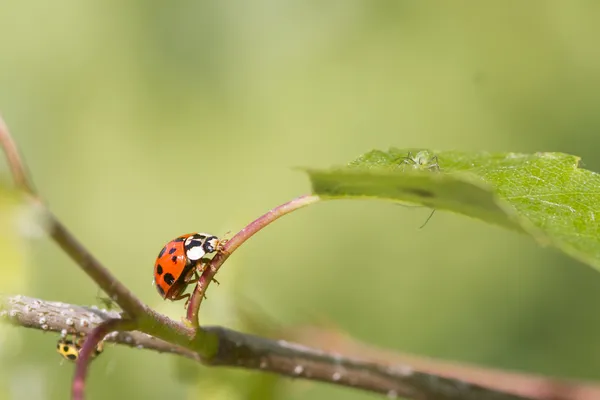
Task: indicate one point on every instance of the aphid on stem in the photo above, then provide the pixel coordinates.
(107, 302)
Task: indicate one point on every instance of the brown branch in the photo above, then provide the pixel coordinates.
(235, 242)
(240, 350)
(524, 384)
(294, 360)
(54, 316)
(90, 265)
(118, 292)
(17, 166)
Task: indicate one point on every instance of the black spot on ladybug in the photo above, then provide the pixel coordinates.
(160, 291)
(58, 345)
(65, 348)
(172, 250)
(179, 239)
(174, 259)
(169, 278)
(162, 252)
(159, 269)
(72, 357)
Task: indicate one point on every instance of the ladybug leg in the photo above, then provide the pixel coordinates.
(181, 297)
(202, 268)
(77, 339)
(196, 278)
(188, 297)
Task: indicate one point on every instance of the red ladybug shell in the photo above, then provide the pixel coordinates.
(172, 269)
(176, 263)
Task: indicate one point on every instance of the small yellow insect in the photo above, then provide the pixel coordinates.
(70, 349)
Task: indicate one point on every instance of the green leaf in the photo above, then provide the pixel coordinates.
(543, 194)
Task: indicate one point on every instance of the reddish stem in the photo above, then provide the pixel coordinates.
(235, 242)
(89, 346)
(17, 167)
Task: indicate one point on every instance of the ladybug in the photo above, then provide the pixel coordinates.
(70, 349)
(177, 263)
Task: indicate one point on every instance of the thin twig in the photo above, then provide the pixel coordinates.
(235, 242)
(284, 358)
(91, 342)
(118, 292)
(17, 166)
(90, 265)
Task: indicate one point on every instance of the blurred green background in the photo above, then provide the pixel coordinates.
(142, 120)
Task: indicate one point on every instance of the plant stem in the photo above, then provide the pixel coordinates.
(91, 341)
(17, 167)
(235, 242)
(118, 292)
(90, 265)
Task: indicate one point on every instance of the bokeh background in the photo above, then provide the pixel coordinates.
(142, 120)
